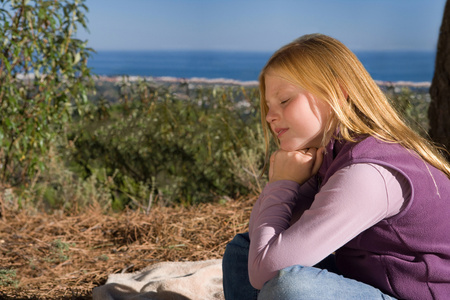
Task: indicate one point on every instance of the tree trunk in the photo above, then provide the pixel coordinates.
(439, 110)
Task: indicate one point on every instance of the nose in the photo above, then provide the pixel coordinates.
(271, 116)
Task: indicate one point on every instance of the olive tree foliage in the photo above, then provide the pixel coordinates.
(43, 78)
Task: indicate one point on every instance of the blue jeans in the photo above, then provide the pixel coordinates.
(296, 282)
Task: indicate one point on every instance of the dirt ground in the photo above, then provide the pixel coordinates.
(65, 256)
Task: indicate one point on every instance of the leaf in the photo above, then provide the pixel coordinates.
(77, 58)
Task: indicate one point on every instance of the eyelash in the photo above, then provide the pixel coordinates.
(282, 102)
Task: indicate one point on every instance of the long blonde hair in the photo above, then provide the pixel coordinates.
(326, 68)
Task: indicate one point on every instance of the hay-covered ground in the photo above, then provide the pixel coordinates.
(64, 257)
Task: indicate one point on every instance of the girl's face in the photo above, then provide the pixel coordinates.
(296, 117)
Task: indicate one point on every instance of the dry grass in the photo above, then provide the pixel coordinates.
(65, 257)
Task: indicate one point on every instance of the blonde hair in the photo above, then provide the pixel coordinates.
(331, 72)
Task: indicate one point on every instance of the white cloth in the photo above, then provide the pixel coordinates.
(199, 280)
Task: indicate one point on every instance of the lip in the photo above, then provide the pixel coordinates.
(280, 131)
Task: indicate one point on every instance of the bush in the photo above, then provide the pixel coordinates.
(43, 73)
(412, 105)
(179, 147)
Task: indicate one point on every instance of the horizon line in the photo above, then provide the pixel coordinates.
(253, 51)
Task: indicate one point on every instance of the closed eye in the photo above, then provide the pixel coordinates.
(283, 102)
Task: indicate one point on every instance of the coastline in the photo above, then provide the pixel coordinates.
(226, 81)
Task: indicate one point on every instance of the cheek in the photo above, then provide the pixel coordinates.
(306, 117)
(325, 114)
(321, 111)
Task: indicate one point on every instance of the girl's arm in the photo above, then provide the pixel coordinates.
(345, 206)
(306, 193)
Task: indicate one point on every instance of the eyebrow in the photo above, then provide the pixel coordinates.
(277, 95)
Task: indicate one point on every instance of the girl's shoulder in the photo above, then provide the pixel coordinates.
(371, 149)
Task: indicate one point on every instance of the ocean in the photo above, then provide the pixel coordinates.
(391, 66)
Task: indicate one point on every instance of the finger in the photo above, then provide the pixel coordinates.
(304, 151)
(311, 151)
(318, 160)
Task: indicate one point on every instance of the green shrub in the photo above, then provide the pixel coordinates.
(412, 105)
(43, 73)
(8, 277)
(181, 148)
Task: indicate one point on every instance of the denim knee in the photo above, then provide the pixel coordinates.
(295, 282)
(240, 240)
(237, 250)
(298, 282)
(236, 283)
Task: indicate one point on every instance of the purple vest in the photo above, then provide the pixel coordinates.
(407, 255)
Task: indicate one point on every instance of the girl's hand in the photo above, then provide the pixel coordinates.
(297, 166)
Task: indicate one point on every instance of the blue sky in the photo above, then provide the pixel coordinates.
(261, 25)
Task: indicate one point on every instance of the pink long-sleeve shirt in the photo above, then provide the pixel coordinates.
(294, 224)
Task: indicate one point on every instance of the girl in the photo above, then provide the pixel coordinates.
(357, 205)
